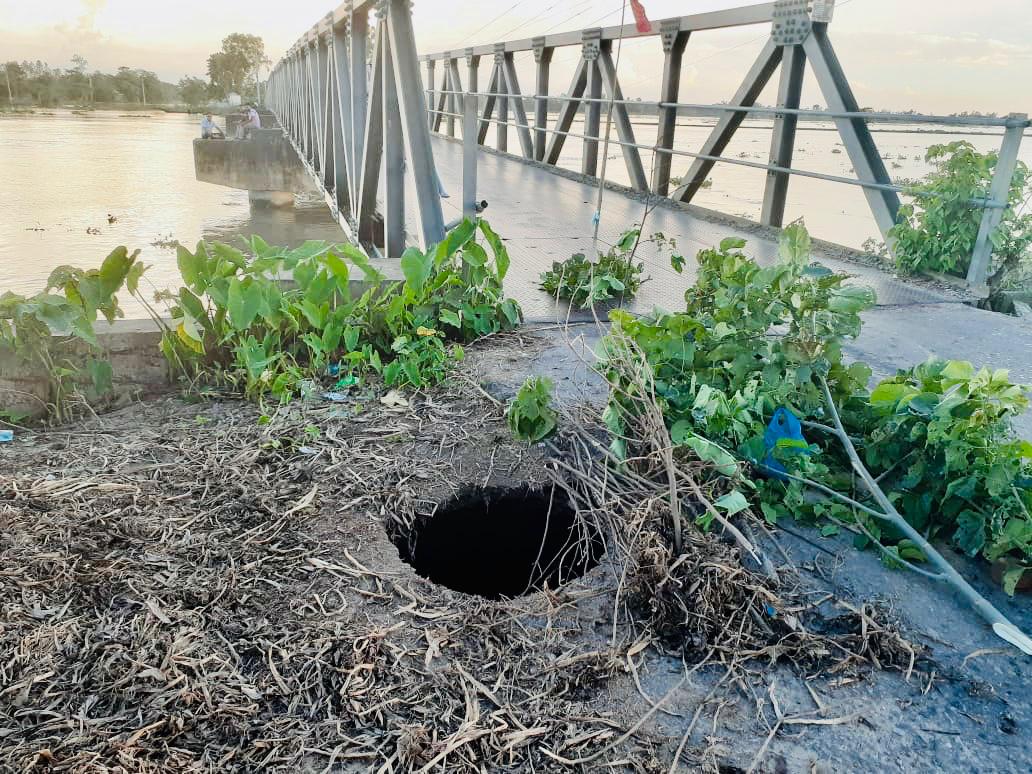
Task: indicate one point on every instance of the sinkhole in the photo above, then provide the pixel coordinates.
(502, 542)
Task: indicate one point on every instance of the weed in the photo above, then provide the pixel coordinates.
(530, 414)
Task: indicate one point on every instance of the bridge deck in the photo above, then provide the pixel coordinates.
(546, 217)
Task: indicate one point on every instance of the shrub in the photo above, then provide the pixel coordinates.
(234, 322)
(938, 231)
(585, 283)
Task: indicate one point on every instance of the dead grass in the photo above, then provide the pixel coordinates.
(186, 589)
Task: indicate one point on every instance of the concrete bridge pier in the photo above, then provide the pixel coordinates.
(265, 165)
(277, 199)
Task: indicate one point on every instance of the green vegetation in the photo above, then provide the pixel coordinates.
(753, 340)
(37, 83)
(235, 66)
(530, 414)
(939, 230)
(44, 330)
(585, 283)
(235, 323)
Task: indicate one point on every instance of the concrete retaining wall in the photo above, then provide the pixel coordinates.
(130, 346)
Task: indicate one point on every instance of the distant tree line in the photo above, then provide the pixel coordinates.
(37, 83)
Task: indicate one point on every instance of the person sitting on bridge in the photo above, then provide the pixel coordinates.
(210, 130)
(252, 121)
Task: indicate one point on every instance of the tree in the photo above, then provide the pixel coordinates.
(235, 67)
(14, 78)
(193, 91)
(79, 65)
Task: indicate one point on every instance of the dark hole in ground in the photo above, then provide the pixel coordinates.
(502, 542)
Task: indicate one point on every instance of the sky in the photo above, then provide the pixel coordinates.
(938, 56)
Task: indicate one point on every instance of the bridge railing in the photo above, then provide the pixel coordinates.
(353, 107)
(798, 38)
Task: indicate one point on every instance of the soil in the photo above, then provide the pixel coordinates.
(193, 585)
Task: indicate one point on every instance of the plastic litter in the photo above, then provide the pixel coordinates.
(6, 436)
(784, 432)
(336, 397)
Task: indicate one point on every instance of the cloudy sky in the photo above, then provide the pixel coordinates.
(931, 55)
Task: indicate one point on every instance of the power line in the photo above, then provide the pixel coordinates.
(543, 13)
(484, 27)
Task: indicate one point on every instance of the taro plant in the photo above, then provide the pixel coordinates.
(278, 319)
(938, 231)
(530, 414)
(53, 330)
(585, 283)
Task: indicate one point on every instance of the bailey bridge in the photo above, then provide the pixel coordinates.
(374, 139)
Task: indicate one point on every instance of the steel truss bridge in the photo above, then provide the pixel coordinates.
(349, 95)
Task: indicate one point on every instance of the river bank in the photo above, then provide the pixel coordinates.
(239, 582)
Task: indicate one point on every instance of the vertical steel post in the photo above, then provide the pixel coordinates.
(472, 68)
(359, 32)
(322, 109)
(343, 146)
(543, 57)
(593, 108)
(394, 159)
(372, 143)
(782, 141)
(501, 128)
(456, 99)
(469, 155)
(674, 43)
(453, 98)
(431, 65)
(412, 106)
(999, 194)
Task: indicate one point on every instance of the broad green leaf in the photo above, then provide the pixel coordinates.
(501, 254)
(958, 371)
(731, 243)
(731, 503)
(132, 280)
(628, 239)
(100, 375)
(794, 244)
(340, 270)
(450, 318)
(890, 393)
(417, 268)
(115, 269)
(474, 255)
(192, 305)
(851, 299)
(57, 314)
(245, 300)
(1011, 578)
(192, 267)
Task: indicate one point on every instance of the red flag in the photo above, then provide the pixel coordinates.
(640, 19)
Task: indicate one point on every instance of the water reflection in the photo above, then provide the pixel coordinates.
(63, 174)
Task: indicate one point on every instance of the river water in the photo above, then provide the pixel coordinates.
(63, 173)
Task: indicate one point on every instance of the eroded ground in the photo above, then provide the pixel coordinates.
(186, 586)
